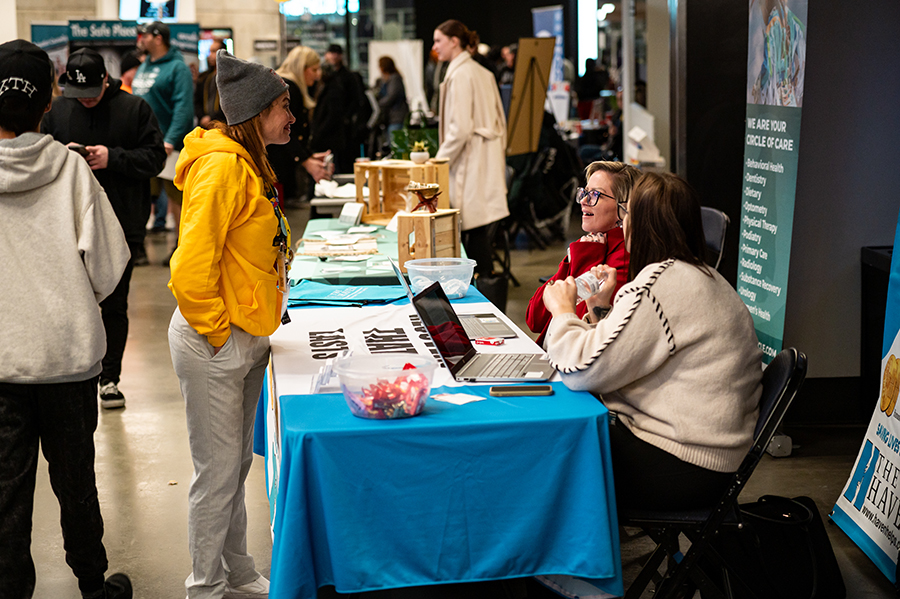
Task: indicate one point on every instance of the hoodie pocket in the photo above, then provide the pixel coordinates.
(264, 307)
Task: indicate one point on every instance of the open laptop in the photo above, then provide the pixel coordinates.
(461, 358)
(476, 325)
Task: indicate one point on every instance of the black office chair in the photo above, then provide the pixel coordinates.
(715, 223)
(781, 381)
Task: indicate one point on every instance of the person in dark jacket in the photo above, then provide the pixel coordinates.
(345, 88)
(301, 70)
(206, 94)
(391, 97)
(329, 127)
(118, 135)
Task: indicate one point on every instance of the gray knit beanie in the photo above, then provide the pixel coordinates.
(245, 88)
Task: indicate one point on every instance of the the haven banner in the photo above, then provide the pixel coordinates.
(868, 509)
(775, 70)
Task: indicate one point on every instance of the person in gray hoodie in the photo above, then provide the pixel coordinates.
(63, 251)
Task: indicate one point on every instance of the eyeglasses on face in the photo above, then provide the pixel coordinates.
(621, 212)
(590, 197)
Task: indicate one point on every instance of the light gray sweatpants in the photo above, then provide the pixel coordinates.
(220, 395)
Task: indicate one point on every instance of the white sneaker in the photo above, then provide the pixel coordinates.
(258, 589)
(110, 396)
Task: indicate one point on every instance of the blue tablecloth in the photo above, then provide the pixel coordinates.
(502, 488)
(472, 296)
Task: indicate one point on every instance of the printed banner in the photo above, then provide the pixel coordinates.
(103, 31)
(54, 40)
(775, 71)
(49, 36)
(868, 510)
(185, 37)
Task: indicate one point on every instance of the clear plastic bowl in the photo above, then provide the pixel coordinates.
(454, 274)
(385, 386)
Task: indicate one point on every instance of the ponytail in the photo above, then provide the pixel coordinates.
(453, 28)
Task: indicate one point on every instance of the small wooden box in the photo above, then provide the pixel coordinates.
(387, 181)
(436, 235)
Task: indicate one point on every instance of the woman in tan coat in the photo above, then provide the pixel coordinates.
(473, 138)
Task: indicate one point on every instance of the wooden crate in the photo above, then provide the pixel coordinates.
(436, 235)
(387, 181)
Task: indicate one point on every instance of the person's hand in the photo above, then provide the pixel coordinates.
(205, 120)
(328, 158)
(317, 168)
(595, 237)
(169, 148)
(603, 297)
(98, 157)
(560, 296)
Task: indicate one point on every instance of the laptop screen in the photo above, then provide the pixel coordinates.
(401, 278)
(444, 326)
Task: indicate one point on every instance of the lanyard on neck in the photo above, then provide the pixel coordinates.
(281, 236)
(285, 254)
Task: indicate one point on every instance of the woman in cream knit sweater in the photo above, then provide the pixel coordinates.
(676, 357)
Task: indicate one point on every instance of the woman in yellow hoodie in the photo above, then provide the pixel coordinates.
(229, 275)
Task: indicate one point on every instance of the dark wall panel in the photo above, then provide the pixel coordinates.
(497, 23)
(848, 184)
(716, 110)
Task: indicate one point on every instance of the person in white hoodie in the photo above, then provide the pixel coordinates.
(62, 251)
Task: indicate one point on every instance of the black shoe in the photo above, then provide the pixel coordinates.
(110, 396)
(158, 229)
(117, 586)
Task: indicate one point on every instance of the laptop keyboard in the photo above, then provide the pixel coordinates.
(505, 365)
(474, 328)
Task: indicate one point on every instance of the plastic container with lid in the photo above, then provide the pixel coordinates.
(454, 274)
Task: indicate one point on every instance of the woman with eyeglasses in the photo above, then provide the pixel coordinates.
(608, 187)
(676, 356)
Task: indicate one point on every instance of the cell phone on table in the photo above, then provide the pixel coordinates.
(516, 390)
(80, 149)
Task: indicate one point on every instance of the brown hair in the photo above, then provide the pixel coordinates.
(664, 222)
(623, 177)
(454, 28)
(249, 135)
(386, 64)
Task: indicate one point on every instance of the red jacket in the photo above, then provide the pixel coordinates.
(582, 256)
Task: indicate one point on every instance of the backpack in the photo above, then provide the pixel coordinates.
(782, 552)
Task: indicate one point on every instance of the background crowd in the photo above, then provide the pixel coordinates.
(231, 148)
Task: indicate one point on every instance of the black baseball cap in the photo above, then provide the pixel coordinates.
(155, 28)
(130, 61)
(26, 73)
(84, 74)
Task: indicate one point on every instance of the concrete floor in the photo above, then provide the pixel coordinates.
(144, 468)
